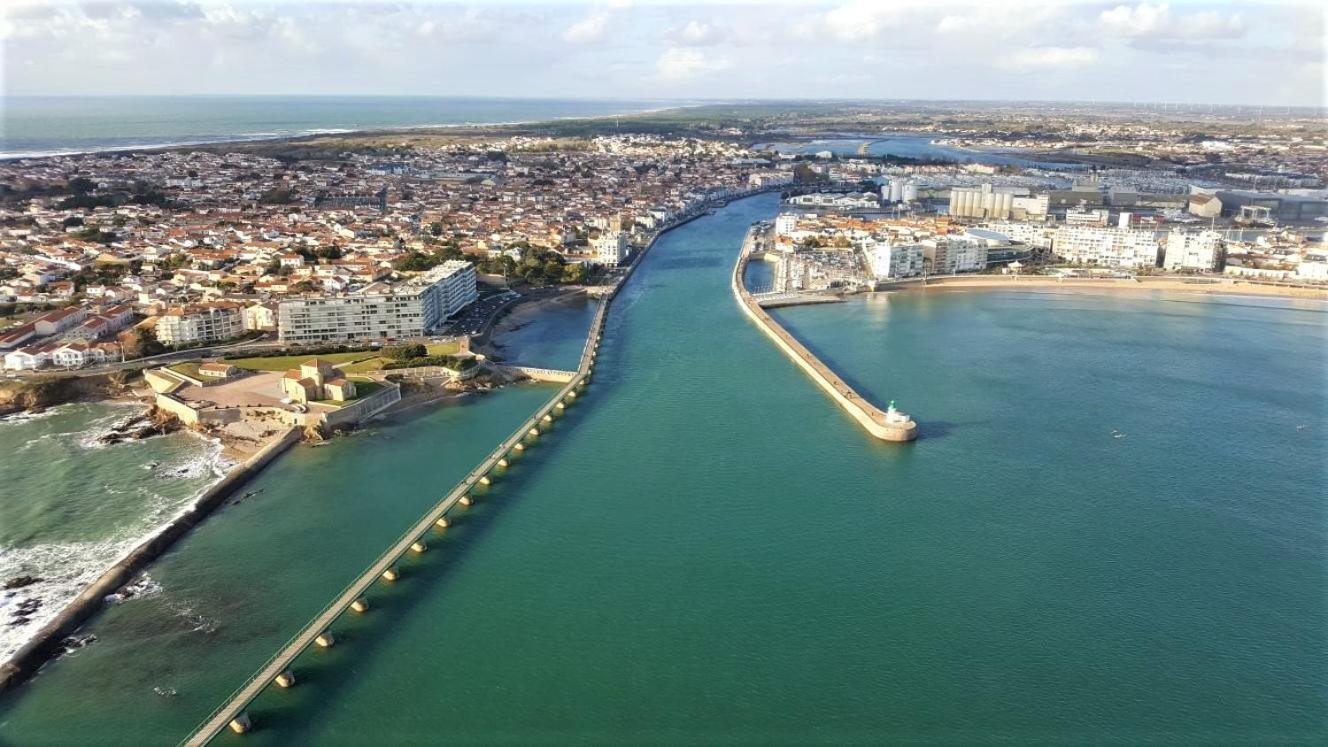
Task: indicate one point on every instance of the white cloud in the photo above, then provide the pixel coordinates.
(681, 63)
(1037, 58)
(697, 34)
(592, 29)
(1148, 21)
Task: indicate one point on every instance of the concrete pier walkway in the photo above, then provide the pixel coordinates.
(234, 706)
(889, 425)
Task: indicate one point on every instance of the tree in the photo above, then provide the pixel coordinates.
(80, 185)
(406, 352)
(140, 342)
(277, 196)
(329, 252)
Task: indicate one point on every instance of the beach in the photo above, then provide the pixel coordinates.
(1223, 286)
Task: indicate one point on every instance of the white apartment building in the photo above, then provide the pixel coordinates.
(208, 322)
(1110, 247)
(893, 260)
(1035, 235)
(610, 248)
(1193, 251)
(949, 256)
(410, 310)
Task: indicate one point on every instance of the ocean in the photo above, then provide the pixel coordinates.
(1111, 530)
(70, 506)
(49, 125)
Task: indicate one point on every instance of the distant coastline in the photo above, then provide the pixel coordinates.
(299, 126)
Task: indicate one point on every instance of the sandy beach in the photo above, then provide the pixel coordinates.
(1224, 286)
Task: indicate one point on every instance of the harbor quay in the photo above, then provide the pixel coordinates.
(887, 425)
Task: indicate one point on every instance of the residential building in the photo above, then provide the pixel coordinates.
(947, 256)
(410, 310)
(889, 260)
(205, 322)
(1110, 247)
(1193, 251)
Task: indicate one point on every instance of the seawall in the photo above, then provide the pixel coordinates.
(874, 420)
(47, 642)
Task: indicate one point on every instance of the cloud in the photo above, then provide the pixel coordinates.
(697, 34)
(1037, 58)
(682, 63)
(1147, 21)
(592, 29)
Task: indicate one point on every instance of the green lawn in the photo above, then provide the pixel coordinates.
(443, 348)
(284, 362)
(188, 368)
(365, 387)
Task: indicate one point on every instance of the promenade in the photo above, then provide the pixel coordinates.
(886, 425)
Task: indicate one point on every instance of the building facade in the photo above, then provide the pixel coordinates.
(1193, 251)
(209, 322)
(1109, 247)
(412, 310)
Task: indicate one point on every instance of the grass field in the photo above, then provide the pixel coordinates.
(359, 362)
(188, 368)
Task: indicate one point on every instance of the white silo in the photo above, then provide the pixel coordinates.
(896, 190)
(910, 192)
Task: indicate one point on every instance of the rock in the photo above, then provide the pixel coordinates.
(18, 582)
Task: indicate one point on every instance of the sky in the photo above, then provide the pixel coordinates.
(1241, 52)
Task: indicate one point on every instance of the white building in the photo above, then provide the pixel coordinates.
(1098, 217)
(408, 311)
(610, 248)
(1193, 251)
(1312, 270)
(948, 256)
(208, 322)
(1110, 247)
(785, 224)
(893, 260)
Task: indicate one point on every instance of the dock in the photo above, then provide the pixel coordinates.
(887, 425)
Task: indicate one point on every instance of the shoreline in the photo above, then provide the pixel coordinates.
(1224, 287)
(313, 134)
(47, 642)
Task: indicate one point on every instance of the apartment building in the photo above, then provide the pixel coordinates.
(1193, 251)
(1109, 247)
(204, 322)
(889, 260)
(948, 256)
(411, 310)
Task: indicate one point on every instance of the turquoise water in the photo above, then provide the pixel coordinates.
(37, 125)
(70, 507)
(243, 582)
(1112, 530)
(550, 336)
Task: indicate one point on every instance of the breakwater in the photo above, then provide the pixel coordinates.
(48, 642)
(887, 425)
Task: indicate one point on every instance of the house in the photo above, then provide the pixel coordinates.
(217, 370)
(55, 322)
(261, 316)
(316, 379)
(28, 358)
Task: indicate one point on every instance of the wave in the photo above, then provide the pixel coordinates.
(65, 569)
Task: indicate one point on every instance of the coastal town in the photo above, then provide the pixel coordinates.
(106, 259)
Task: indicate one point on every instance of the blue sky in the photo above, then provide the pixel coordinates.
(1244, 52)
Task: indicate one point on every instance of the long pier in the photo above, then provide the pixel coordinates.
(887, 425)
(278, 668)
